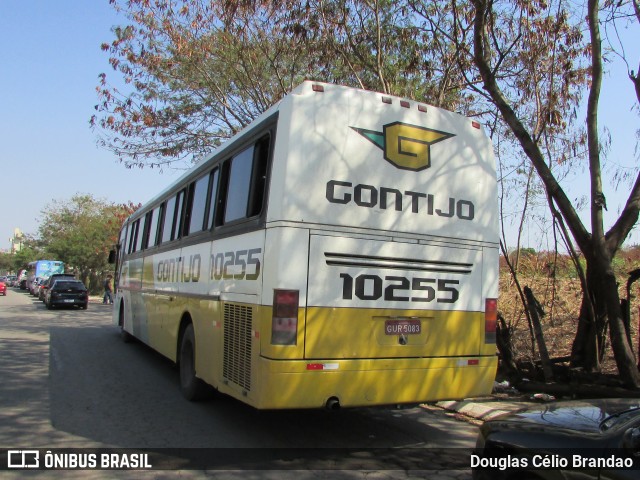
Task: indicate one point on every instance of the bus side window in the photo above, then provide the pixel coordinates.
(133, 237)
(124, 239)
(258, 177)
(188, 209)
(213, 198)
(238, 187)
(152, 234)
(223, 188)
(247, 174)
(147, 228)
(196, 205)
(142, 232)
(178, 223)
(167, 222)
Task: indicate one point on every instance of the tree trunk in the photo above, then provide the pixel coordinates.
(504, 343)
(535, 311)
(603, 288)
(588, 345)
(585, 348)
(607, 294)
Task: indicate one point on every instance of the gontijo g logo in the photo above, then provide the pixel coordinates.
(405, 146)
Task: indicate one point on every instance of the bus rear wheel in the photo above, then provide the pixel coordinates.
(192, 387)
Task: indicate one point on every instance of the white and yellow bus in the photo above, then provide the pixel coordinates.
(342, 250)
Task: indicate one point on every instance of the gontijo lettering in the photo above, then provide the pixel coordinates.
(179, 269)
(369, 196)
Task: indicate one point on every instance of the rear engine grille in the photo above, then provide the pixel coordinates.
(236, 366)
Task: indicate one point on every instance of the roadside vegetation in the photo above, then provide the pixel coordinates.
(544, 358)
(79, 232)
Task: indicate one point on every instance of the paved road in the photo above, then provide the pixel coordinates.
(68, 381)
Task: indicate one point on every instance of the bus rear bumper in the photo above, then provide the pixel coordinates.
(357, 383)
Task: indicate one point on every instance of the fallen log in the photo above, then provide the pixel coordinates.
(576, 391)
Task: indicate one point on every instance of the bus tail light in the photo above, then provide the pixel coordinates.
(490, 319)
(284, 324)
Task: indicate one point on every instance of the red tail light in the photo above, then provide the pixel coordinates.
(490, 319)
(284, 324)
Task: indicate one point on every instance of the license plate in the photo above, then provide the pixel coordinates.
(69, 301)
(403, 326)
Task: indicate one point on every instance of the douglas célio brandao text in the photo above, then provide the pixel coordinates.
(550, 461)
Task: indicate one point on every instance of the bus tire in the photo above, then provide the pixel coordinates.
(124, 335)
(192, 387)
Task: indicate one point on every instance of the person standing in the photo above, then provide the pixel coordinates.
(108, 292)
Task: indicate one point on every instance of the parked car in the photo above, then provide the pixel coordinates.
(594, 439)
(11, 280)
(22, 279)
(3, 288)
(33, 288)
(49, 281)
(37, 287)
(67, 293)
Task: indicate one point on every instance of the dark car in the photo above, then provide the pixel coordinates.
(594, 439)
(67, 293)
(42, 295)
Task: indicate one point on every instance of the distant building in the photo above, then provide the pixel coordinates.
(16, 240)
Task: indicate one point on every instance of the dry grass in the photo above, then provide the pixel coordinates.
(560, 296)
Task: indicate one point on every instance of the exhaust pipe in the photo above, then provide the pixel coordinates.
(333, 404)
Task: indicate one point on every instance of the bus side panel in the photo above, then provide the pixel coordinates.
(206, 315)
(160, 299)
(286, 264)
(223, 305)
(130, 293)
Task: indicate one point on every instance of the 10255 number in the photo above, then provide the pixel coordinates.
(399, 289)
(240, 265)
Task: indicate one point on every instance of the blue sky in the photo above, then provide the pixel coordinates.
(51, 60)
